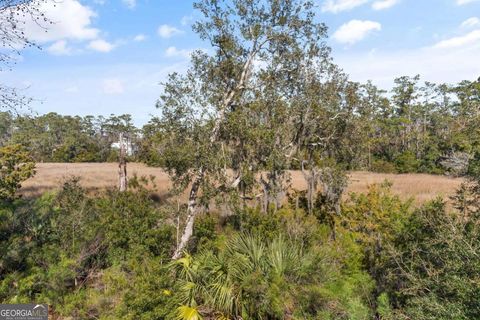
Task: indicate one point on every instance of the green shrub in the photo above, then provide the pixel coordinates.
(383, 166)
(432, 271)
(253, 277)
(16, 166)
(407, 162)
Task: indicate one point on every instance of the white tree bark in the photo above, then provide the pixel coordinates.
(122, 165)
(191, 214)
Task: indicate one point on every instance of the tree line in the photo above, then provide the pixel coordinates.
(57, 138)
(413, 128)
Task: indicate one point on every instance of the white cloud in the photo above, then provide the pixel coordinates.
(60, 48)
(166, 31)
(355, 30)
(470, 22)
(100, 45)
(140, 38)
(460, 41)
(384, 4)
(130, 3)
(174, 52)
(336, 6)
(70, 20)
(433, 63)
(462, 2)
(113, 86)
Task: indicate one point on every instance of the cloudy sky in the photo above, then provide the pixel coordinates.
(109, 56)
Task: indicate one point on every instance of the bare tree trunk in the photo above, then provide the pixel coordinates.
(122, 165)
(269, 196)
(312, 182)
(266, 194)
(191, 214)
(178, 223)
(333, 188)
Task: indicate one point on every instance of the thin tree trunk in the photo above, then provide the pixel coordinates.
(266, 194)
(122, 166)
(191, 214)
(311, 179)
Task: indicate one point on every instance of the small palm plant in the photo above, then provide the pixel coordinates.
(247, 279)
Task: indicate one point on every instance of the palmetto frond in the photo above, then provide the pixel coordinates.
(251, 247)
(283, 256)
(186, 267)
(188, 313)
(222, 296)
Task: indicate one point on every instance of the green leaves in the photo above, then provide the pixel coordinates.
(188, 313)
(252, 277)
(431, 270)
(16, 166)
(57, 138)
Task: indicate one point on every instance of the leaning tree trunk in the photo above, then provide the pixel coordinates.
(122, 165)
(191, 214)
(214, 137)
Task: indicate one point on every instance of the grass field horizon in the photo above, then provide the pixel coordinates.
(98, 176)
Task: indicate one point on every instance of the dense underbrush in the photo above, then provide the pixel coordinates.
(109, 257)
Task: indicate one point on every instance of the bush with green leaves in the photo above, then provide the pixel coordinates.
(279, 266)
(432, 269)
(16, 166)
(407, 162)
(78, 252)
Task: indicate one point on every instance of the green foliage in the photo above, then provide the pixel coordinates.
(383, 166)
(204, 233)
(375, 219)
(16, 166)
(107, 256)
(6, 125)
(474, 165)
(56, 138)
(384, 308)
(406, 162)
(413, 129)
(254, 278)
(375, 216)
(131, 227)
(266, 99)
(78, 253)
(433, 266)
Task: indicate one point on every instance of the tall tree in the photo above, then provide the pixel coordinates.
(255, 42)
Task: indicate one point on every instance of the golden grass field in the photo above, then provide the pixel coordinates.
(95, 176)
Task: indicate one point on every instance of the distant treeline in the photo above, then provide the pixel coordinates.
(415, 127)
(58, 138)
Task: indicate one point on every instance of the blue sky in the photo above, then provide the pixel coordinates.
(109, 56)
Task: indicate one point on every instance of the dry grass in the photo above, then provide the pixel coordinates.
(95, 176)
